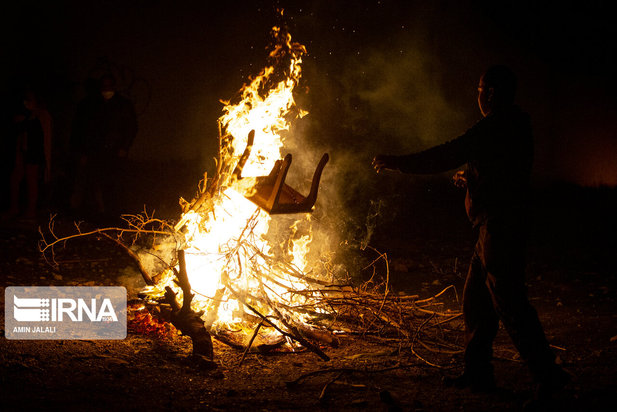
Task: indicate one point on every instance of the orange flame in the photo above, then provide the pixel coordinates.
(227, 253)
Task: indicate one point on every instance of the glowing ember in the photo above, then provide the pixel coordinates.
(140, 320)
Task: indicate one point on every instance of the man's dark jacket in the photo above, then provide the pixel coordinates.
(103, 127)
(498, 151)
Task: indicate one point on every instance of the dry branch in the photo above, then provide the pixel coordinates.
(284, 292)
(185, 319)
(138, 225)
(248, 347)
(142, 268)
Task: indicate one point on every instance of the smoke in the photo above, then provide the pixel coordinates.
(401, 93)
(388, 100)
(131, 279)
(159, 255)
(156, 254)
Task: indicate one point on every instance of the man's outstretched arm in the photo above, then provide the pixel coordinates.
(437, 159)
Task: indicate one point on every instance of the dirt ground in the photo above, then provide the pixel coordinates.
(572, 283)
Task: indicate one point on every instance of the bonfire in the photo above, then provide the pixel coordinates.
(224, 278)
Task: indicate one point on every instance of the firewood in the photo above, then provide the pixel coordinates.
(248, 347)
(185, 319)
(318, 335)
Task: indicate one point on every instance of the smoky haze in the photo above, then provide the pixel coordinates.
(389, 95)
(388, 100)
(403, 77)
(382, 77)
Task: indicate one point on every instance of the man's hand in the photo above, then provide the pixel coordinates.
(460, 179)
(381, 162)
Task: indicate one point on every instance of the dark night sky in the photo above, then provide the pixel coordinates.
(410, 68)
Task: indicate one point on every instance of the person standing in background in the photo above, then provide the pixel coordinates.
(33, 133)
(104, 129)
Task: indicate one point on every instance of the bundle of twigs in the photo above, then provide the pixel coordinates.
(322, 309)
(309, 309)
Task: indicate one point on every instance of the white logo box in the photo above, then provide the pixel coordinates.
(65, 312)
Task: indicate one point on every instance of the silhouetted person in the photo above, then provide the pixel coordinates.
(82, 133)
(84, 145)
(104, 129)
(33, 129)
(498, 151)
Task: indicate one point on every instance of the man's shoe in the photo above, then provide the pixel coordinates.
(556, 381)
(476, 383)
(543, 396)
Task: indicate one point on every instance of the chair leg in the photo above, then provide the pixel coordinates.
(312, 196)
(247, 152)
(278, 184)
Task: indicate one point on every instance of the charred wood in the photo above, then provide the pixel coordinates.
(185, 319)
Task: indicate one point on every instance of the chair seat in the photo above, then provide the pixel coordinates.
(272, 194)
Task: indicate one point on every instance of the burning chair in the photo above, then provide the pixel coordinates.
(272, 194)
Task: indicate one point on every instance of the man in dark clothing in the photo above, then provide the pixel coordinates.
(104, 129)
(498, 151)
(115, 121)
